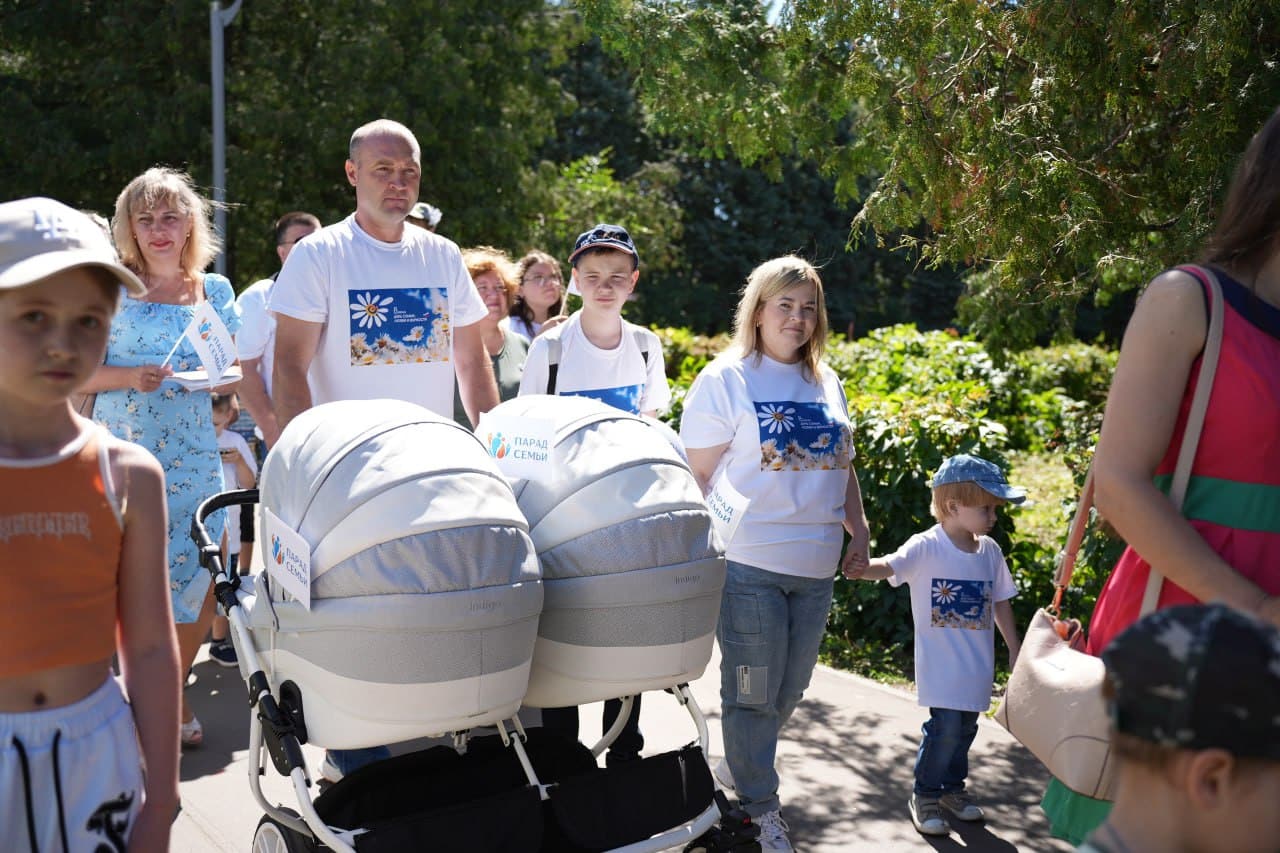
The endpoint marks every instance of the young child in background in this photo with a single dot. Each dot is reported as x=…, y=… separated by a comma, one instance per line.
x=82, y=560
x=239, y=471
x=959, y=584
x=1193, y=692
x=597, y=354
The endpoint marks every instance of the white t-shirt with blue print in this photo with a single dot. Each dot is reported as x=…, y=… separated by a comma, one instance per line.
x=621, y=377
x=789, y=454
x=953, y=594
x=388, y=309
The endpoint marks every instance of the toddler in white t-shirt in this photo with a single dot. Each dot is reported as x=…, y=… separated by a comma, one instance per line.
x=239, y=471
x=960, y=584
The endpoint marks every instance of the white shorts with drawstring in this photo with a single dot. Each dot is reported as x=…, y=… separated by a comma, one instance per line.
x=70, y=777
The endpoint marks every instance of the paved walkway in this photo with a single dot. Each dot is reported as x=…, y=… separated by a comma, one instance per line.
x=845, y=762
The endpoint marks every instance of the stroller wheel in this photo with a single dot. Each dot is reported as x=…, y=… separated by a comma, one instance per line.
x=274, y=837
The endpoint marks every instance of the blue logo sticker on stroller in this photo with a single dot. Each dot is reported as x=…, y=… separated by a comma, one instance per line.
x=801, y=437
x=399, y=326
x=961, y=604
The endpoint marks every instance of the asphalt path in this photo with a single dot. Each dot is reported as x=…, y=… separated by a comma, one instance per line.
x=845, y=760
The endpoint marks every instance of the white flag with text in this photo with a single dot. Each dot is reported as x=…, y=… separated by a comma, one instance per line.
x=212, y=342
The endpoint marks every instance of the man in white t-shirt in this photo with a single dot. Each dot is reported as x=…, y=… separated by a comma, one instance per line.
x=255, y=342
x=960, y=586
x=369, y=308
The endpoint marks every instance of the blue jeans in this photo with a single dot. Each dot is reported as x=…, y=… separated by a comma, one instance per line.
x=942, y=764
x=349, y=760
x=770, y=630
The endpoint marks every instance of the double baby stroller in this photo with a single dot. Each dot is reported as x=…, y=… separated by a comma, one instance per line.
x=442, y=600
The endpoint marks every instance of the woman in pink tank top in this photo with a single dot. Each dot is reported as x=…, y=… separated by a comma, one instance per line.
x=1222, y=545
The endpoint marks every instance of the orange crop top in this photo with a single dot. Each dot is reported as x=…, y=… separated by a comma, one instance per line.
x=60, y=538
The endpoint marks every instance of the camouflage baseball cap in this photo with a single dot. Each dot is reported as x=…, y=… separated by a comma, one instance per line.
x=1198, y=677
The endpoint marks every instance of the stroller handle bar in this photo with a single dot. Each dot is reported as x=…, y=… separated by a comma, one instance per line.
x=209, y=550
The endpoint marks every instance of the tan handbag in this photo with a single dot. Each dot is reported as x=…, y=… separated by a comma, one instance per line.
x=1053, y=703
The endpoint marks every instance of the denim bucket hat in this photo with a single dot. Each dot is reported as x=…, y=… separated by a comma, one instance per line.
x=963, y=468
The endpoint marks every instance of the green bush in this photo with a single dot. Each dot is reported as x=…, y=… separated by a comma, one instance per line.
x=1040, y=391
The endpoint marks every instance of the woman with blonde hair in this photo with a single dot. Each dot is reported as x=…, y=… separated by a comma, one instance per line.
x=495, y=278
x=163, y=234
x=767, y=420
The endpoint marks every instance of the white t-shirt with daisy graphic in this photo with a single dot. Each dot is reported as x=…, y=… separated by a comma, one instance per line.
x=388, y=311
x=790, y=451
x=953, y=594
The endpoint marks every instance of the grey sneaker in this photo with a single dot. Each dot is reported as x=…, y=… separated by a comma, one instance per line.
x=926, y=814
x=962, y=806
x=773, y=832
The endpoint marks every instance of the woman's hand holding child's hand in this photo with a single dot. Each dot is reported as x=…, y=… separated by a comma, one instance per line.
x=855, y=563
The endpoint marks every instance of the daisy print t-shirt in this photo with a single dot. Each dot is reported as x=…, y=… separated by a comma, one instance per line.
x=953, y=594
x=789, y=454
x=389, y=310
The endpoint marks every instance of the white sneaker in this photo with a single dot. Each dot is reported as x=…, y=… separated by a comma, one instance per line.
x=926, y=815
x=329, y=771
x=773, y=832
x=723, y=775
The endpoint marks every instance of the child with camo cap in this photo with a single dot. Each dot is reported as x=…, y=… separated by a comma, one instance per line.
x=1194, y=693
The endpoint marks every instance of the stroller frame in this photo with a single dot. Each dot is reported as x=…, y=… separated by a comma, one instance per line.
x=276, y=726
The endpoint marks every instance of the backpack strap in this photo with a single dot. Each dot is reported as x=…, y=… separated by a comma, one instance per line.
x=553, y=356
x=553, y=363
x=643, y=343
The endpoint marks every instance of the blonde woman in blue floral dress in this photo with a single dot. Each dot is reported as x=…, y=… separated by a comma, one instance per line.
x=162, y=231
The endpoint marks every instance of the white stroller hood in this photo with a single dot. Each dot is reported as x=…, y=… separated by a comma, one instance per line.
x=425, y=588
x=632, y=571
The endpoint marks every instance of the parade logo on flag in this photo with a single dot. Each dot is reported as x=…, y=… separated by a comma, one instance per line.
x=727, y=506
x=212, y=342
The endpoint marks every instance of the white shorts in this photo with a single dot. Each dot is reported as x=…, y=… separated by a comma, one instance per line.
x=70, y=777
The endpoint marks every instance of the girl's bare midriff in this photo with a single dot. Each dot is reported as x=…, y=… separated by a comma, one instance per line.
x=53, y=688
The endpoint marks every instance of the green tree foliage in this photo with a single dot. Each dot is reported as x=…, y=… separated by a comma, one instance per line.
x=94, y=93
x=732, y=217
x=1069, y=148
x=470, y=80
x=571, y=198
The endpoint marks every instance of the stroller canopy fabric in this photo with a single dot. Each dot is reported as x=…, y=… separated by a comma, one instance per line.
x=632, y=570
x=425, y=588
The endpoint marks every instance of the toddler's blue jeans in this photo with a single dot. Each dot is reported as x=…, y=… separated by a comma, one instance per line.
x=942, y=764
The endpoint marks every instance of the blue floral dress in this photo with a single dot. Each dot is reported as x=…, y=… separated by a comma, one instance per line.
x=174, y=424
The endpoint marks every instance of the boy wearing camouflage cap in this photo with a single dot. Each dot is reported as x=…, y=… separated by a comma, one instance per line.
x=1194, y=694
